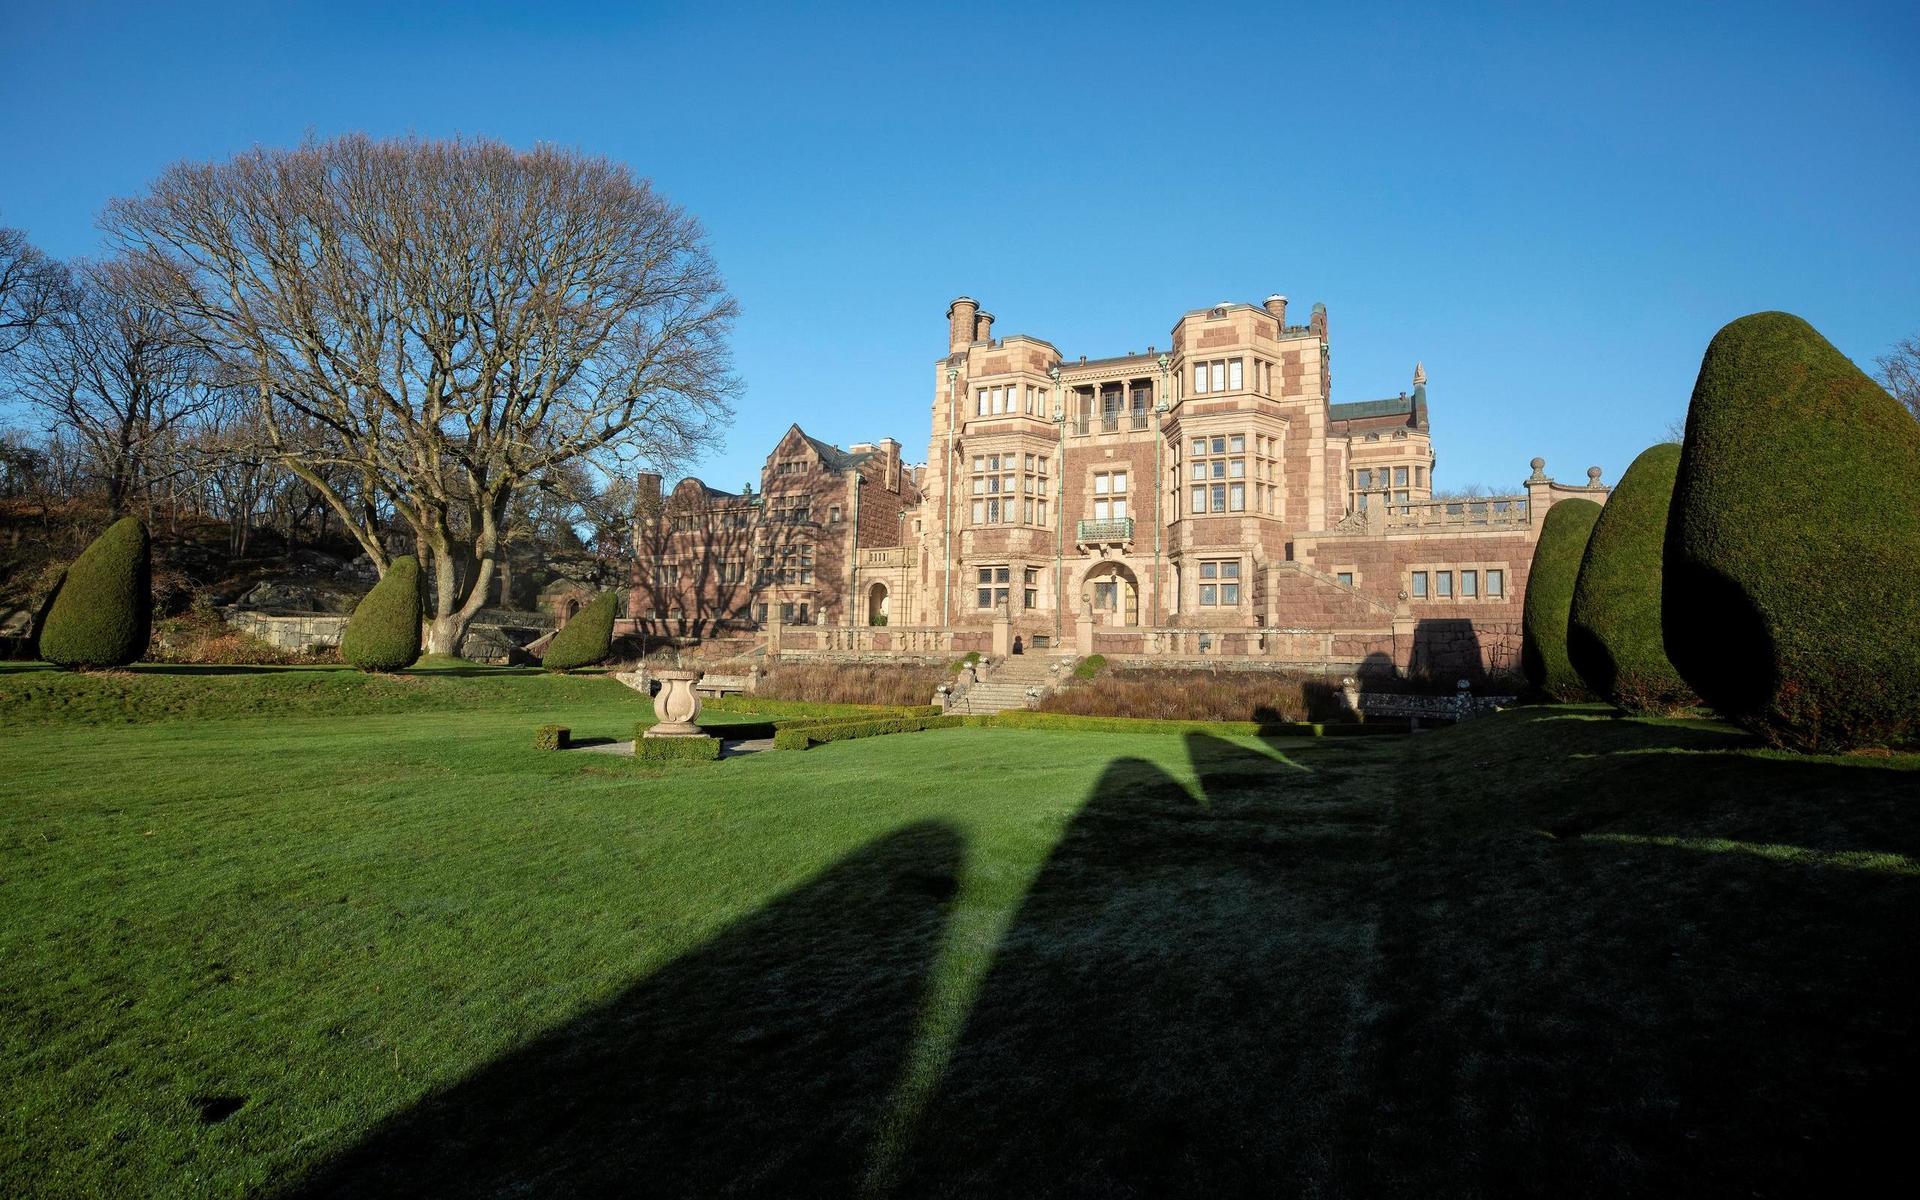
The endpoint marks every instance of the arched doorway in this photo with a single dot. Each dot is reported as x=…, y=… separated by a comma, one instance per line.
x=569, y=610
x=1113, y=592
x=877, y=604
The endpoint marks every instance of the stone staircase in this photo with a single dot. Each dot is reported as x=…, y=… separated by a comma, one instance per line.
x=1008, y=682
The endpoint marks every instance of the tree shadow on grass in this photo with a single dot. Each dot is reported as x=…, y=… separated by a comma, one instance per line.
x=758, y=1064
x=1627, y=957
x=1168, y=1014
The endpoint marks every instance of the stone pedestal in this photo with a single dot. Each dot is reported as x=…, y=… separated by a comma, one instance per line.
x=676, y=706
x=1002, y=636
x=1083, y=634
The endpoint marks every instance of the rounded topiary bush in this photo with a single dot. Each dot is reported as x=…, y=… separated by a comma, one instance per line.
x=1793, y=542
x=1613, y=630
x=1550, y=580
x=585, y=640
x=102, y=612
x=384, y=632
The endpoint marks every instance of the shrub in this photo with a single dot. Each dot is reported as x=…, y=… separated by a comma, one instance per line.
x=1070, y=722
x=552, y=737
x=1198, y=695
x=585, y=640
x=970, y=659
x=1613, y=629
x=383, y=634
x=802, y=738
x=761, y=706
x=676, y=749
x=102, y=614
x=1550, y=580
x=1090, y=666
x=1794, y=542
x=853, y=683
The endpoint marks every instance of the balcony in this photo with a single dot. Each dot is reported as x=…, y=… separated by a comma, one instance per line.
x=884, y=556
x=1112, y=530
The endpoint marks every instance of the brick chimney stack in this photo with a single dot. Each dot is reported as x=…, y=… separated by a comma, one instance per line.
x=983, y=327
x=960, y=323
x=890, y=450
x=648, y=497
x=1277, y=305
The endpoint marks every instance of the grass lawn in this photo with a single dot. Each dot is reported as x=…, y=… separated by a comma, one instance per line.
x=301, y=932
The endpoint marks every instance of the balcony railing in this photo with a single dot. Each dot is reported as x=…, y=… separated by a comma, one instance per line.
x=1112, y=529
x=1110, y=422
x=883, y=556
x=1494, y=510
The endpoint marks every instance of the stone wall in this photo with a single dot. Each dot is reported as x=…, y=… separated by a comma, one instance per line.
x=297, y=632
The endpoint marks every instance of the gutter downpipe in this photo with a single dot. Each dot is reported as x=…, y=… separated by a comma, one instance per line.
x=1059, y=510
x=1159, y=484
x=946, y=473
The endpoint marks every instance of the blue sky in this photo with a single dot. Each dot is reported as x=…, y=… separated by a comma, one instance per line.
x=1553, y=206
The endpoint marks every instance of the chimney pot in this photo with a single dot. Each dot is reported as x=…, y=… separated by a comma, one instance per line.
x=1277, y=305
x=960, y=316
x=983, y=327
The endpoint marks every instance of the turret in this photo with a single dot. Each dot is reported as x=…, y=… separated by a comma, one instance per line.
x=960, y=323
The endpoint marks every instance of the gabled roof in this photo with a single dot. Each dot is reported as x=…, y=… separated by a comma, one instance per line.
x=833, y=456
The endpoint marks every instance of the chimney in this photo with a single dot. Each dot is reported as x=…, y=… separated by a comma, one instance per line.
x=960, y=323
x=647, y=496
x=1277, y=305
x=890, y=450
x=983, y=327
x=1318, y=322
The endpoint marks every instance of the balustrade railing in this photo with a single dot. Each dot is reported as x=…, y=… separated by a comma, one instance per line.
x=884, y=556
x=1111, y=529
x=1491, y=510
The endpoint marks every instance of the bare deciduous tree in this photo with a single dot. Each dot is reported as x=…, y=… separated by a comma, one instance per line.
x=33, y=288
x=1900, y=373
x=117, y=371
x=454, y=318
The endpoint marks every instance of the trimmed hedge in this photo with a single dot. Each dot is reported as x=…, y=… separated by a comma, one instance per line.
x=1793, y=543
x=814, y=735
x=1069, y=722
x=383, y=634
x=586, y=640
x=102, y=612
x=676, y=749
x=740, y=731
x=1090, y=666
x=1614, y=639
x=1556, y=566
x=552, y=737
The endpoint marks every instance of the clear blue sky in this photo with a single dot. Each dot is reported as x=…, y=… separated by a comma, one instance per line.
x=1553, y=206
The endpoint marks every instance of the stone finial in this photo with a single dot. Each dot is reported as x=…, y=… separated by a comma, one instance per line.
x=1419, y=374
x=1539, y=466
x=1593, y=477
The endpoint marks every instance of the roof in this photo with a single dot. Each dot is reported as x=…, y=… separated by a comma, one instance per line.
x=835, y=458
x=1360, y=410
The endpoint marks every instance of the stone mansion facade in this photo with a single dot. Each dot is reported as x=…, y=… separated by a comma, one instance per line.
x=1206, y=501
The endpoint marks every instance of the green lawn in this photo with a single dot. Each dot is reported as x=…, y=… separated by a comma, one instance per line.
x=304, y=932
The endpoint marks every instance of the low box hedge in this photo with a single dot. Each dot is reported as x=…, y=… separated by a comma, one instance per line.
x=676, y=749
x=1069, y=722
x=552, y=737
x=815, y=735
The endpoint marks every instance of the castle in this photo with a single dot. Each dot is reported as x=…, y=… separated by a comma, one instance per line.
x=1207, y=501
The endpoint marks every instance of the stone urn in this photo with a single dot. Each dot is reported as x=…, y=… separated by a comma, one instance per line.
x=676, y=706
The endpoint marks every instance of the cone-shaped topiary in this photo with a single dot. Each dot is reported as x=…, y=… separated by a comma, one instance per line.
x=383, y=634
x=585, y=640
x=1793, y=543
x=1556, y=564
x=1613, y=630
x=102, y=612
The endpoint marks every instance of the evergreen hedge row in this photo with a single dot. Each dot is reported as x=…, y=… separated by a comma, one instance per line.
x=814, y=735
x=1793, y=542
x=1614, y=638
x=383, y=634
x=676, y=749
x=1550, y=580
x=586, y=640
x=101, y=614
x=762, y=707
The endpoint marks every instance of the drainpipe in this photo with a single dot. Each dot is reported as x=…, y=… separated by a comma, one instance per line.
x=946, y=471
x=1059, y=508
x=1159, y=484
x=853, y=563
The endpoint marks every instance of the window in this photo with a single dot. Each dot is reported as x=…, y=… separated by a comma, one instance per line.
x=1221, y=461
x=992, y=590
x=1031, y=582
x=1008, y=489
x=1496, y=583
x=1109, y=495
x=833, y=515
x=1443, y=584
x=1399, y=477
x=1469, y=584
x=1345, y=578
x=1218, y=376
x=1220, y=581
x=1419, y=588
